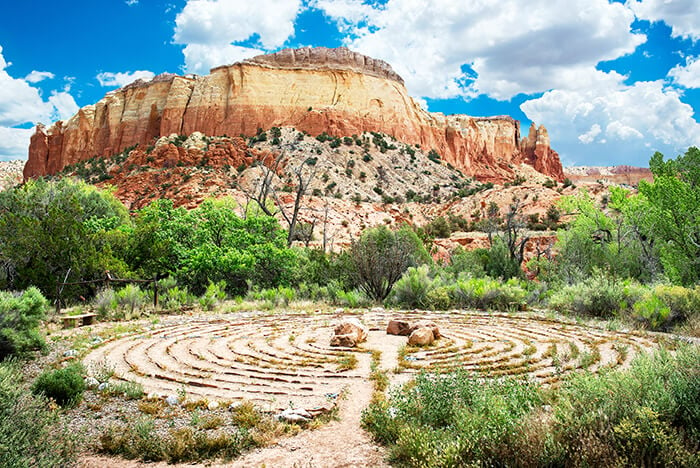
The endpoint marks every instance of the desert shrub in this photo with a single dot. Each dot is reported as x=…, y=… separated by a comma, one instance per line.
x=652, y=312
x=487, y=293
x=30, y=433
x=470, y=262
x=381, y=256
x=128, y=390
x=683, y=302
x=352, y=298
x=130, y=299
x=451, y=419
x=412, y=289
x=177, y=297
x=597, y=296
x=64, y=386
x=499, y=263
x=213, y=295
x=20, y=317
x=647, y=415
x=105, y=303
x=275, y=297
x=439, y=298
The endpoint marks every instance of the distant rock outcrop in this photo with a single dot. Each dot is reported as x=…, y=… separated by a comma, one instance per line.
x=312, y=89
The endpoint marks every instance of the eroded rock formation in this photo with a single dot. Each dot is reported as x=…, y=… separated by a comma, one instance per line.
x=314, y=90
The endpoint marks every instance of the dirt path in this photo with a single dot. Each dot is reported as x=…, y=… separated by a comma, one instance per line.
x=341, y=443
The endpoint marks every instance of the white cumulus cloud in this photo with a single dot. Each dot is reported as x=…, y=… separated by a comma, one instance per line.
x=37, y=76
x=449, y=49
x=22, y=105
x=631, y=121
x=213, y=30
x=683, y=16
x=119, y=79
x=687, y=75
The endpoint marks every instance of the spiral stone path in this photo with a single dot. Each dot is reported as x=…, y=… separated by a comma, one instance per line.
x=285, y=359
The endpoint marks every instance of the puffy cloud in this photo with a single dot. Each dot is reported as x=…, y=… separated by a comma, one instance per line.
x=37, y=76
x=683, y=16
x=14, y=143
x=631, y=120
x=64, y=105
x=448, y=49
x=214, y=29
x=589, y=136
x=22, y=104
x=131, y=2
x=200, y=58
x=110, y=79
x=687, y=75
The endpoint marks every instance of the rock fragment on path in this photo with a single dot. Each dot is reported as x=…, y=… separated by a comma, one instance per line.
x=398, y=327
x=349, y=333
x=421, y=337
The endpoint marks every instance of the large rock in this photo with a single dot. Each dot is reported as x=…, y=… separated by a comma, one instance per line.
x=314, y=90
x=398, y=327
x=421, y=337
x=349, y=333
x=432, y=326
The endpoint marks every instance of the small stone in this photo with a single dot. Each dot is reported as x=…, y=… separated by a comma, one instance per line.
x=103, y=386
x=377, y=310
x=91, y=382
x=172, y=400
x=213, y=405
x=70, y=353
x=97, y=340
x=294, y=416
x=233, y=406
x=153, y=396
x=421, y=337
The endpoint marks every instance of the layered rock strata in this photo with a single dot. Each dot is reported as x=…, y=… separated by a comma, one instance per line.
x=314, y=90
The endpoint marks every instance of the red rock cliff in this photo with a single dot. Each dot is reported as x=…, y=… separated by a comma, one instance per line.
x=312, y=89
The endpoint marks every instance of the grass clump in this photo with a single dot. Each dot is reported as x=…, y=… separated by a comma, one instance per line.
x=647, y=415
x=20, y=317
x=30, y=433
x=64, y=386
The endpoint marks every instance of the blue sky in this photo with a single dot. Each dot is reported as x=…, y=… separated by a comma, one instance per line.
x=613, y=81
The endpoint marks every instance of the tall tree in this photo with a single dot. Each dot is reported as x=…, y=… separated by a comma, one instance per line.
x=673, y=214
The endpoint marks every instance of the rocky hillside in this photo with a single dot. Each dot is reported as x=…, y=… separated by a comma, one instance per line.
x=620, y=175
x=319, y=90
x=10, y=173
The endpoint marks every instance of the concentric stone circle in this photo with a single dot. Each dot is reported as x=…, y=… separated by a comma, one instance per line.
x=285, y=358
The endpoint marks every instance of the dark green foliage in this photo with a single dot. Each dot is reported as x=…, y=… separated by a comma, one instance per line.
x=210, y=243
x=30, y=434
x=381, y=256
x=20, y=318
x=648, y=415
x=48, y=228
x=434, y=156
x=64, y=386
x=672, y=213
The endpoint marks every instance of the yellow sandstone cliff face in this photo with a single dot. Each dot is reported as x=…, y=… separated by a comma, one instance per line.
x=314, y=90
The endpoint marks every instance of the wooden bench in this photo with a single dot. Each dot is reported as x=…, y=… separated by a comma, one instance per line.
x=72, y=321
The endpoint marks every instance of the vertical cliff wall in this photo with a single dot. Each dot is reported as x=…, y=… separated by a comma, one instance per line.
x=312, y=89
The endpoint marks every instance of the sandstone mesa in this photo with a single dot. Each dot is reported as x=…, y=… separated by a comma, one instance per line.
x=315, y=90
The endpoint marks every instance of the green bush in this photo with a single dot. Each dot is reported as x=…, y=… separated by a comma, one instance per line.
x=130, y=299
x=106, y=303
x=597, y=296
x=214, y=294
x=487, y=293
x=20, y=317
x=64, y=386
x=647, y=415
x=683, y=302
x=30, y=433
x=652, y=312
x=411, y=291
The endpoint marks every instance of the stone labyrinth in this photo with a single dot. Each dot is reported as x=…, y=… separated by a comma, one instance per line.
x=283, y=359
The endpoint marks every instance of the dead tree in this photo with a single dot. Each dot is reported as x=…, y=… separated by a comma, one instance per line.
x=264, y=189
